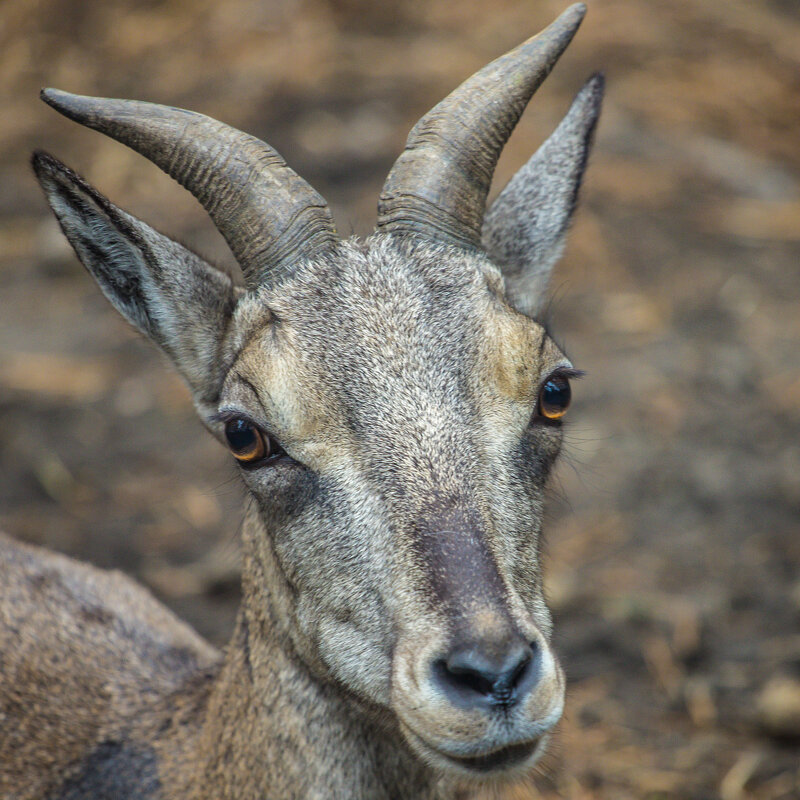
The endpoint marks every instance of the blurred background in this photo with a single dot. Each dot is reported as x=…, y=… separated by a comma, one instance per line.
x=673, y=540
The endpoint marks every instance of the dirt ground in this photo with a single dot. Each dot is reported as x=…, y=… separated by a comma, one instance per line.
x=674, y=525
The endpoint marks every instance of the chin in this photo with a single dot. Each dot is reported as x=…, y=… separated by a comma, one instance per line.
x=479, y=765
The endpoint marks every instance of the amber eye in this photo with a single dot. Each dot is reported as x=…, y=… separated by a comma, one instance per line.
x=554, y=397
x=247, y=443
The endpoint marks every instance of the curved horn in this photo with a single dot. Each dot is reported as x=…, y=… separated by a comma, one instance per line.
x=438, y=185
x=267, y=213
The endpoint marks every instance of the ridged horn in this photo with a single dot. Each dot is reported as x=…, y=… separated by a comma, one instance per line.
x=438, y=186
x=268, y=214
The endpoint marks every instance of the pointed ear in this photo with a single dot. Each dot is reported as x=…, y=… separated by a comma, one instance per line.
x=170, y=294
x=525, y=229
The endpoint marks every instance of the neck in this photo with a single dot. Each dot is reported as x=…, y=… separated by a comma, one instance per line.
x=274, y=729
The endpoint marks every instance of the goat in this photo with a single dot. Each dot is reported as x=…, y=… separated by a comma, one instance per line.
x=395, y=411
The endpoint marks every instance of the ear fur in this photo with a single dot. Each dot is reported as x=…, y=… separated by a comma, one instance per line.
x=170, y=294
x=525, y=228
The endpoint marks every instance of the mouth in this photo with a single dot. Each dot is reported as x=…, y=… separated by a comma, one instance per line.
x=503, y=759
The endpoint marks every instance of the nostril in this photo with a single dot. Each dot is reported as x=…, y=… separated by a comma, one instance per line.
x=513, y=676
x=481, y=674
x=468, y=677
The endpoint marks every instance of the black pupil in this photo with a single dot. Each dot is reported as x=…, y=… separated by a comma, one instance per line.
x=556, y=395
x=241, y=436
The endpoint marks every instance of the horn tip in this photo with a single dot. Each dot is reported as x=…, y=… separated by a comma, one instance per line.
x=561, y=30
x=576, y=10
x=53, y=96
x=63, y=102
x=79, y=108
x=573, y=16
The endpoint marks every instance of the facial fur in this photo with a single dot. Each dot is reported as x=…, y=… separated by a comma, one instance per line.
x=403, y=389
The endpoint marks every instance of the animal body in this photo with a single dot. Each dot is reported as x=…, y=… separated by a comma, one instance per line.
x=395, y=410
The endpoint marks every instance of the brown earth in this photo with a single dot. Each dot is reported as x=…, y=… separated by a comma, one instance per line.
x=674, y=541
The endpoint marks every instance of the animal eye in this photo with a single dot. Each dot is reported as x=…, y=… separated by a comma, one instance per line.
x=554, y=397
x=247, y=443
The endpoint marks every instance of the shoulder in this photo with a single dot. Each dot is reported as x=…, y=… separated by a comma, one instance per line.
x=50, y=600
x=81, y=649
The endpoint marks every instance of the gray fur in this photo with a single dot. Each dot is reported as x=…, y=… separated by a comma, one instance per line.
x=114, y=771
x=525, y=228
x=404, y=519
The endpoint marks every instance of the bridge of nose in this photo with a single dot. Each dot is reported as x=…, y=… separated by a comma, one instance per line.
x=464, y=578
